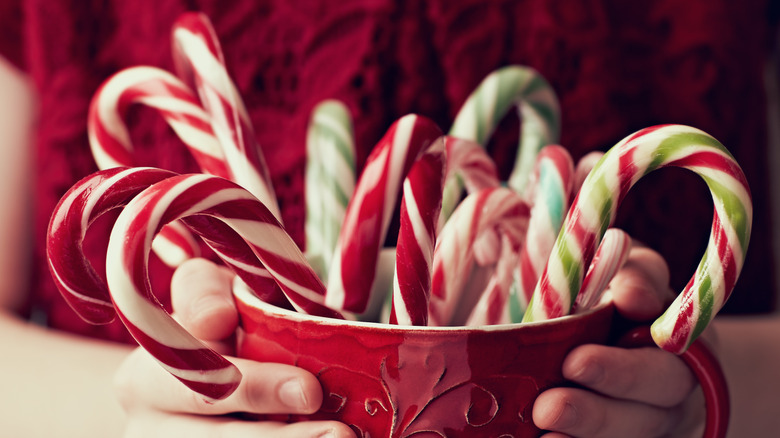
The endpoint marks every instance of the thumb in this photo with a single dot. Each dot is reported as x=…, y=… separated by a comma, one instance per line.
x=202, y=300
x=640, y=290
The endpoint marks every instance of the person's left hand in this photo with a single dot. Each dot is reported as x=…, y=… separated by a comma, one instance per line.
x=644, y=392
x=156, y=404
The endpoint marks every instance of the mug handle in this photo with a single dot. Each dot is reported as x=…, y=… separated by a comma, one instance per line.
x=706, y=368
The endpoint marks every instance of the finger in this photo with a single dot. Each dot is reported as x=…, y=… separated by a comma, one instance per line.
x=201, y=298
x=647, y=375
x=173, y=426
x=266, y=388
x=640, y=290
x=582, y=413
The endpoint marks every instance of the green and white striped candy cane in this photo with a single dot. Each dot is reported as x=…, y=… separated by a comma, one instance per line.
x=594, y=211
x=330, y=180
x=539, y=113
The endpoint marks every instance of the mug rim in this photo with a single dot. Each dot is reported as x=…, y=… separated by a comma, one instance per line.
x=242, y=293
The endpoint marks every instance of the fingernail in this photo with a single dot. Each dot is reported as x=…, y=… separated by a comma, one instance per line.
x=327, y=434
x=291, y=394
x=589, y=373
x=567, y=418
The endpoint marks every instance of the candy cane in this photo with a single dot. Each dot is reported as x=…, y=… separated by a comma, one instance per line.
x=583, y=168
x=492, y=307
x=595, y=207
x=90, y=198
x=353, y=271
x=330, y=180
x=111, y=146
x=495, y=210
x=550, y=188
x=197, y=54
x=488, y=104
x=468, y=166
x=109, y=138
x=204, y=199
x=420, y=207
x=610, y=257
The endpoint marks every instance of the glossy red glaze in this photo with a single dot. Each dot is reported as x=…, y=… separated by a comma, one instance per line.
x=390, y=381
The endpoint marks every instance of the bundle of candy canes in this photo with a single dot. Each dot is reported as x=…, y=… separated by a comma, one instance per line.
x=539, y=246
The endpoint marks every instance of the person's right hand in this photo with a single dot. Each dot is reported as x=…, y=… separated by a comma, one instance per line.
x=158, y=405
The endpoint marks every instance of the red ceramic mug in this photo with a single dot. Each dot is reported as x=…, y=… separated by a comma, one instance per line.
x=392, y=381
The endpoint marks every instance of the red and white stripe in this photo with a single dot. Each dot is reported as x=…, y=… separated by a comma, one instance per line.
x=492, y=307
x=610, y=257
x=198, y=56
x=111, y=146
x=204, y=198
x=353, y=271
x=83, y=289
x=420, y=208
x=470, y=165
x=109, y=138
x=501, y=211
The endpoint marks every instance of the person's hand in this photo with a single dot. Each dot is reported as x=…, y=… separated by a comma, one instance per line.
x=158, y=405
x=644, y=392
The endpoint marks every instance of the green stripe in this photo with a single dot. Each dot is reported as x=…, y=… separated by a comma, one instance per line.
x=550, y=116
x=675, y=142
x=515, y=311
x=572, y=268
x=343, y=148
x=706, y=300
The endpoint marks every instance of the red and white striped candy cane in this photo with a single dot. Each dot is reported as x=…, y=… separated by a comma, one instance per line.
x=496, y=210
x=109, y=138
x=83, y=289
x=197, y=197
x=420, y=208
x=470, y=165
x=610, y=257
x=111, y=146
x=493, y=305
x=368, y=215
x=198, y=55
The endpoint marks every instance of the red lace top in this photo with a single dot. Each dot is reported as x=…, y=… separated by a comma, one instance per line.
x=617, y=67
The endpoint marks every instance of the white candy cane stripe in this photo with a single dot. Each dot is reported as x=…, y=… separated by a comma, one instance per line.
x=218, y=199
x=330, y=180
x=420, y=207
x=468, y=166
x=595, y=207
x=550, y=192
x=83, y=289
x=609, y=258
x=197, y=54
x=538, y=109
x=353, y=271
x=499, y=210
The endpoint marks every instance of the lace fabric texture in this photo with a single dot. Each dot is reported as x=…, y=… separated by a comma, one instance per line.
x=616, y=66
